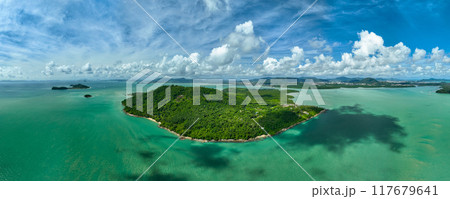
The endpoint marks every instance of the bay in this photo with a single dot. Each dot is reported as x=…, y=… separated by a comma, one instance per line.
x=367, y=134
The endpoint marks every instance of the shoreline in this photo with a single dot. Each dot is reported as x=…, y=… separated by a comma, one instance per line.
x=257, y=138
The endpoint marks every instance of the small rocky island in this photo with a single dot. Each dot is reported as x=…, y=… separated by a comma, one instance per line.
x=218, y=120
x=72, y=86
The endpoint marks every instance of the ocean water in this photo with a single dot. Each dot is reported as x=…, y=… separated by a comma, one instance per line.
x=367, y=134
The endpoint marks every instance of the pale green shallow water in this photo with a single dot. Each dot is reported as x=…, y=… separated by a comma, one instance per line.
x=382, y=134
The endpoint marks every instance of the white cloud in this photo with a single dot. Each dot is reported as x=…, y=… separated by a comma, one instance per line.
x=419, y=54
x=215, y=5
x=369, y=57
x=243, y=38
x=52, y=68
x=368, y=44
x=436, y=64
x=221, y=55
x=10, y=72
x=49, y=68
x=437, y=54
x=237, y=43
x=320, y=45
x=87, y=69
x=180, y=65
x=328, y=48
x=317, y=43
x=446, y=59
x=393, y=54
x=64, y=69
x=285, y=64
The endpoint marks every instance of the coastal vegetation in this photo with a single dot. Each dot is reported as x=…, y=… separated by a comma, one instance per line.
x=218, y=120
x=445, y=88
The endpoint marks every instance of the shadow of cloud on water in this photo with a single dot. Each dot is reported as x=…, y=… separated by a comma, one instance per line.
x=147, y=155
x=209, y=156
x=155, y=175
x=339, y=128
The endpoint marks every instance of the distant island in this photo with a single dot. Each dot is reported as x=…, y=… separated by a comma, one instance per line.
x=343, y=82
x=72, y=86
x=219, y=121
x=445, y=88
x=368, y=82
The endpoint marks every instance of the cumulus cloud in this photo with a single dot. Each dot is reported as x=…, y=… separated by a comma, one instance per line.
x=219, y=61
x=102, y=32
x=243, y=38
x=369, y=57
x=446, y=59
x=221, y=55
x=368, y=44
x=86, y=69
x=10, y=72
x=64, y=69
x=438, y=55
x=71, y=32
x=237, y=43
x=285, y=64
x=419, y=54
x=51, y=68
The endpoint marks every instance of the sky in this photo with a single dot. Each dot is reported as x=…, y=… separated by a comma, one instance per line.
x=104, y=39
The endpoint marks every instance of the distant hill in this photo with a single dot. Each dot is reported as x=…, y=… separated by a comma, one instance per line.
x=344, y=79
x=367, y=80
x=433, y=80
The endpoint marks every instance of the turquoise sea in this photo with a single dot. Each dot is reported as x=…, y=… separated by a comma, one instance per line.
x=367, y=134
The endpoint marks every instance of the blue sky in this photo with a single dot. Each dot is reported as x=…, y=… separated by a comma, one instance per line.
x=116, y=39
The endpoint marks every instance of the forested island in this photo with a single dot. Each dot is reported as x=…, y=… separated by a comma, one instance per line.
x=72, y=86
x=445, y=88
x=219, y=121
